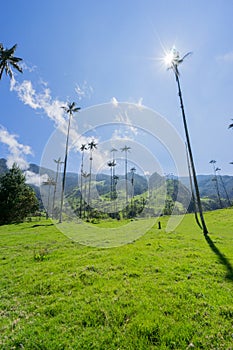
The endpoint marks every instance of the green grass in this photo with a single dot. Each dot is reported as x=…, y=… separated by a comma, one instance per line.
x=163, y=291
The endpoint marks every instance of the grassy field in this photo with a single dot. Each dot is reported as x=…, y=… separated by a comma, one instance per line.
x=163, y=291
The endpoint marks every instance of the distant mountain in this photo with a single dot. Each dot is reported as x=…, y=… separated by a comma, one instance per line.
x=154, y=188
x=207, y=185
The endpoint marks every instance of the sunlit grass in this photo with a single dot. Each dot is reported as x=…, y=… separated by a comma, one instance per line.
x=163, y=291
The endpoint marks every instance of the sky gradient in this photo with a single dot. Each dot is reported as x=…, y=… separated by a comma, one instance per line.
x=98, y=52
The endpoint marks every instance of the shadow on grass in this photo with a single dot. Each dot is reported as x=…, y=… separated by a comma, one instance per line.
x=222, y=258
x=38, y=225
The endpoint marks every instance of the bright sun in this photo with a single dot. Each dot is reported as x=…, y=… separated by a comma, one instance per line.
x=168, y=58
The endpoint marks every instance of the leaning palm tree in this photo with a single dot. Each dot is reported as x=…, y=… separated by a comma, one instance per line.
x=8, y=61
x=70, y=109
x=215, y=179
x=83, y=148
x=173, y=60
x=126, y=150
x=91, y=146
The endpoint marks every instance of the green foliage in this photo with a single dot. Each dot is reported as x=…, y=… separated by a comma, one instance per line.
x=164, y=291
x=17, y=199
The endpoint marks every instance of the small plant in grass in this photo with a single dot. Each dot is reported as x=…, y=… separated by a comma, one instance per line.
x=41, y=255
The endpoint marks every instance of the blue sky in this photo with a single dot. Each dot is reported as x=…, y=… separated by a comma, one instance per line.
x=98, y=52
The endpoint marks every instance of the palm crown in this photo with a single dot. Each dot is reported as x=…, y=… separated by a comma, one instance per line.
x=8, y=60
x=70, y=108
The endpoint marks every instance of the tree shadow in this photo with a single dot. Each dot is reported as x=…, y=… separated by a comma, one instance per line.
x=38, y=225
x=222, y=258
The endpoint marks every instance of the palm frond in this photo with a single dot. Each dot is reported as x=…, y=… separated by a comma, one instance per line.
x=186, y=55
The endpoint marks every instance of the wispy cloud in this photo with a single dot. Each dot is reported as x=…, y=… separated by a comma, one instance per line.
x=43, y=101
x=17, y=151
x=127, y=130
x=84, y=90
x=39, y=100
x=227, y=57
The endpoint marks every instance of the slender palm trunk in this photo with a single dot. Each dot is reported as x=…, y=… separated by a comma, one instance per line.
x=81, y=187
x=126, y=179
x=204, y=228
x=192, y=191
x=89, y=188
x=217, y=190
x=132, y=196
x=111, y=182
x=84, y=199
x=225, y=190
x=55, y=185
x=64, y=170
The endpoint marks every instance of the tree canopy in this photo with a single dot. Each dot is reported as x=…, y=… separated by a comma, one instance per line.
x=17, y=199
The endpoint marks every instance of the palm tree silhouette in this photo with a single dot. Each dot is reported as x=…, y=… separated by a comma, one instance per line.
x=83, y=148
x=126, y=150
x=173, y=60
x=8, y=61
x=91, y=146
x=215, y=179
x=70, y=109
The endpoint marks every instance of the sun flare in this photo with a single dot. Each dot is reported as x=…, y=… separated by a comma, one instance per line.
x=170, y=57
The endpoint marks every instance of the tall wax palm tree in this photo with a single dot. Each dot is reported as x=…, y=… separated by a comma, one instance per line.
x=70, y=109
x=83, y=148
x=173, y=60
x=113, y=151
x=126, y=150
x=223, y=186
x=9, y=61
x=58, y=162
x=215, y=179
x=111, y=164
x=91, y=146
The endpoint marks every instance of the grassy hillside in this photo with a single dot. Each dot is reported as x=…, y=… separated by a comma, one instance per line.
x=164, y=291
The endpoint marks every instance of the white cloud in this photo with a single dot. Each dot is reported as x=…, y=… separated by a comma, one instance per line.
x=17, y=151
x=114, y=101
x=44, y=102
x=139, y=103
x=227, y=57
x=35, y=179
